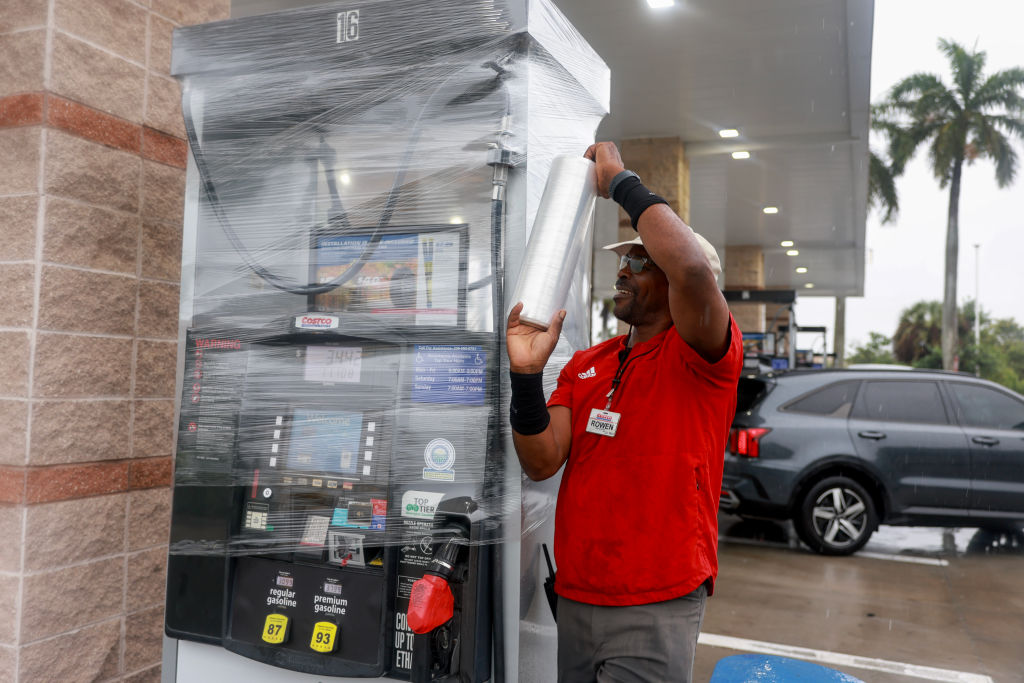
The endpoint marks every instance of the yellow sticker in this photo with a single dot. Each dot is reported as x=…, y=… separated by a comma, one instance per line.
x=275, y=629
x=325, y=637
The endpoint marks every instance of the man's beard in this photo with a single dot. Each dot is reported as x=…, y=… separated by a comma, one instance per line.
x=626, y=312
x=626, y=309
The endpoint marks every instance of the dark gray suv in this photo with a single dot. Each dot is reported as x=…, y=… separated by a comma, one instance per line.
x=841, y=451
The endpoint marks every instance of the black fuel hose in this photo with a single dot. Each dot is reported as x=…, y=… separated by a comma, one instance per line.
x=277, y=281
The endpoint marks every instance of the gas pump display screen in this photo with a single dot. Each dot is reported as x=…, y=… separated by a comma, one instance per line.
x=332, y=364
x=417, y=273
x=325, y=441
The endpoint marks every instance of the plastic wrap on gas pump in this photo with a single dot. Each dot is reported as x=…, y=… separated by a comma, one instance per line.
x=362, y=186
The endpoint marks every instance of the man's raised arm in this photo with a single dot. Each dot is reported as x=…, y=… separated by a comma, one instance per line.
x=699, y=311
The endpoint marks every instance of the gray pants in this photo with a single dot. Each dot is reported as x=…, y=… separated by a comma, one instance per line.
x=652, y=643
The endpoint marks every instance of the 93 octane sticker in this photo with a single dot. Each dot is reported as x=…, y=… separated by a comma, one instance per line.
x=325, y=637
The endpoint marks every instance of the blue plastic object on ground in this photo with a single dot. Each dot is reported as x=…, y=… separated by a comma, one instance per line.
x=773, y=669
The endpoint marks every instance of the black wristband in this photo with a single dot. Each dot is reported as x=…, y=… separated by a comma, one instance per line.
x=528, y=412
x=613, y=186
x=635, y=198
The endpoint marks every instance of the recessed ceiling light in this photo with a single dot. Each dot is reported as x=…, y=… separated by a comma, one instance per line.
x=786, y=243
x=741, y=155
x=792, y=252
x=801, y=269
x=808, y=285
x=728, y=133
x=456, y=220
x=658, y=4
x=770, y=210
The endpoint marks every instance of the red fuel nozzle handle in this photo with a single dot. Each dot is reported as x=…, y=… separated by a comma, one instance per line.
x=430, y=604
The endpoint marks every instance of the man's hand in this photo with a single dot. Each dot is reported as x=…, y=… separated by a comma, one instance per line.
x=609, y=164
x=528, y=347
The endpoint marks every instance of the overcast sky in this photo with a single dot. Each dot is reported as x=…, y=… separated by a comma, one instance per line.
x=904, y=260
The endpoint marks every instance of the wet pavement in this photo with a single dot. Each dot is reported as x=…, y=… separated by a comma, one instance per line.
x=915, y=604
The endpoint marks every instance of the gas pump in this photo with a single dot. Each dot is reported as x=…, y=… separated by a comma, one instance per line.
x=360, y=185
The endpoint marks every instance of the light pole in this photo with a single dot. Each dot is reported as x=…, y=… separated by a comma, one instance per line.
x=977, y=312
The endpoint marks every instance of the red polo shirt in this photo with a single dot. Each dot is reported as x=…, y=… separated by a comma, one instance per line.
x=637, y=514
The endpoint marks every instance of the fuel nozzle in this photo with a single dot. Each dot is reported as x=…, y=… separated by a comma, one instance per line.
x=432, y=602
x=443, y=563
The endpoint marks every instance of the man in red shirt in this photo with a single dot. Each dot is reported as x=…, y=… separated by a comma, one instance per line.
x=640, y=423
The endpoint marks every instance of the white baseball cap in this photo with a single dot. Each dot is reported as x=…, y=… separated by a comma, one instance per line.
x=621, y=248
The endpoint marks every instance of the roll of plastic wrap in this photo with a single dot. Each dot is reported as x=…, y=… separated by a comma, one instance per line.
x=559, y=235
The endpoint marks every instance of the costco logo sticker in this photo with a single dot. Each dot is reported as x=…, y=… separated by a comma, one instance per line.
x=316, y=322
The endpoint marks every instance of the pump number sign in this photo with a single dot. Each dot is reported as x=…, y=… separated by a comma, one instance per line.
x=348, y=26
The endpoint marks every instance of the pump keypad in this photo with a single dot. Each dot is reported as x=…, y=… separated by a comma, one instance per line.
x=325, y=637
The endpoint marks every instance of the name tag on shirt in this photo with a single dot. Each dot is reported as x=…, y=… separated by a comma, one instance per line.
x=603, y=422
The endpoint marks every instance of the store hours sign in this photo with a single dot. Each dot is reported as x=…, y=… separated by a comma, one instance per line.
x=449, y=374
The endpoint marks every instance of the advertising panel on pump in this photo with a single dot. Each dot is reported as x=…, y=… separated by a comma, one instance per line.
x=418, y=274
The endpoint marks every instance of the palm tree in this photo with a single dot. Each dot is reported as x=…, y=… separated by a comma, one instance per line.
x=973, y=119
x=881, y=173
x=918, y=333
x=882, y=187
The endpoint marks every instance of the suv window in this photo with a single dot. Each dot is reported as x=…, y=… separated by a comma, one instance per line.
x=985, y=407
x=899, y=401
x=748, y=392
x=835, y=400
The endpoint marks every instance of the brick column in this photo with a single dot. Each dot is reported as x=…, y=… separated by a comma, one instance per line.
x=92, y=161
x=744, y=269
x=662, y=164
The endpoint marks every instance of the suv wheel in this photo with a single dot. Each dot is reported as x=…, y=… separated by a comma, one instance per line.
x=836, y=516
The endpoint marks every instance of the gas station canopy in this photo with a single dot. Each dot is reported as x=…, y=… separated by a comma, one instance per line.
x=792, y=78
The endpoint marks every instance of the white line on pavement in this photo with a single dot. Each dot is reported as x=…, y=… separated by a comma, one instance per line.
x=934, y=561
x=837, y=658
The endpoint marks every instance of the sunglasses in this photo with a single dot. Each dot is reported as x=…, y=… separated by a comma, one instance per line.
x=636, y=263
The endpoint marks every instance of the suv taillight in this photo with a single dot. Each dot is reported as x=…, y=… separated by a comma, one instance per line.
x=746, y=440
